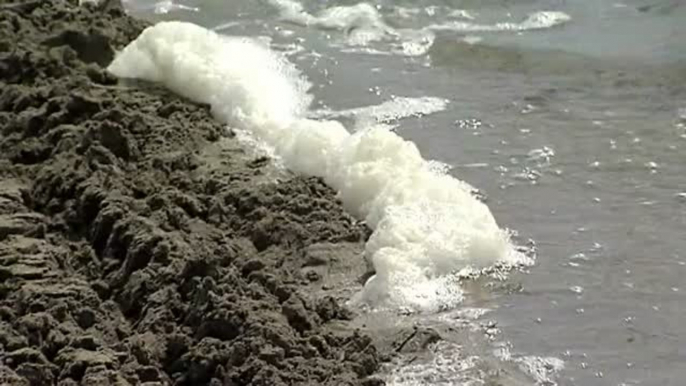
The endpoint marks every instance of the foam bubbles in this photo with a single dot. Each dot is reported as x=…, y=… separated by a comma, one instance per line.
x=544, y=370
x=448, y=365
x=427, y=225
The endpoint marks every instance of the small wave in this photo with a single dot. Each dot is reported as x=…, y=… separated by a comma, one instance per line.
x=389, y=111
x=426, y=225
x=537, y=20
x=226, y=26
x=160, y=7
x=410, y=13
x=362, y=22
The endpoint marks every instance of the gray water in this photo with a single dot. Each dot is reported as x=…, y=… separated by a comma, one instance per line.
x=576, y=134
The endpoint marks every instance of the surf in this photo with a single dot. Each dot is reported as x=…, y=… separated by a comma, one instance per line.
x=427, y=225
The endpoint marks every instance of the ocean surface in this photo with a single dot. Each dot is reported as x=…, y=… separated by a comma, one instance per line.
x=569, y=117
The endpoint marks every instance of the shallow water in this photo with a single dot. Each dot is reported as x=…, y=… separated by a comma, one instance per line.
x=576, y=133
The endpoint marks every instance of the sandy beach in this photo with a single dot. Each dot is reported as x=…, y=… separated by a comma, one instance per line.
x=140, y=243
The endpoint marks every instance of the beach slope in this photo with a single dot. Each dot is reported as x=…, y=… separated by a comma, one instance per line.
x=139, y=243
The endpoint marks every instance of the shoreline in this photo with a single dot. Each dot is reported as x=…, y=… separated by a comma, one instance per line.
x=140, y=243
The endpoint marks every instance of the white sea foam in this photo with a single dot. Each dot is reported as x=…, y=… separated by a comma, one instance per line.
x=413, y=42
x=544, y=370
x=447, y=366
x=426, y=225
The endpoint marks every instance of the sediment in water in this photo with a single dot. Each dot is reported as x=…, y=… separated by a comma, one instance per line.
x=138, y=242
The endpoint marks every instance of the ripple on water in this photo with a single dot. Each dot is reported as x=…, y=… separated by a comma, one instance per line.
x=577, y=289
x=681, y=113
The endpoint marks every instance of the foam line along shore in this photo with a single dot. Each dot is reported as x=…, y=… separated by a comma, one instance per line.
x=426, y=224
